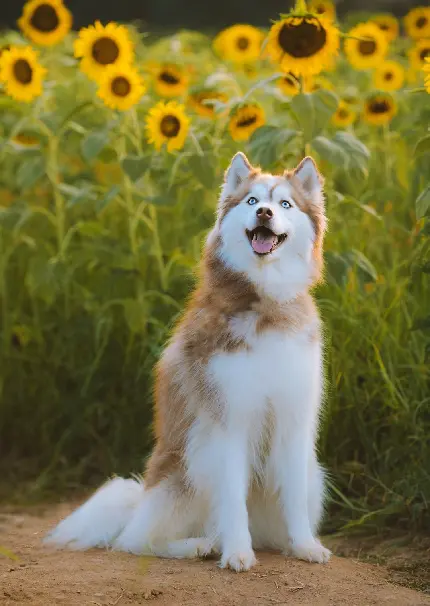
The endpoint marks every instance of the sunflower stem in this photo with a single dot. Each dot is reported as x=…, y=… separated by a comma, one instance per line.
x=54, y=178
x=385, y=138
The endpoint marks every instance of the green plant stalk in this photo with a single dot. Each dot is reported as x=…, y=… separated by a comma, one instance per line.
x=306, y=144
x=4, y=296
x=54, y=177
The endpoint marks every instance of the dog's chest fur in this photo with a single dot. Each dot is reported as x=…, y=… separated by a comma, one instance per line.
x=268, y=374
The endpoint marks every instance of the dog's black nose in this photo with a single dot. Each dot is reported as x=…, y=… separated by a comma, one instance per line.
x=264, y=214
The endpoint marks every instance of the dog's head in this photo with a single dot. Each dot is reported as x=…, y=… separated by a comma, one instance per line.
x=271, y=227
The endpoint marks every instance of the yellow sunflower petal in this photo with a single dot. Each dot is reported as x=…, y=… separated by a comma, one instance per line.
x=245, y=120
x=167, y=123
x=239, y=44
x=388, y=24
x=170, y=80
x=379, y=109
x=418, y=53
x=389, y=76
x=303, y=45
x=100, y=46
x=417, y=22
x=202, y=102
x=21, y=73
x=365, y=46
x=121, y=87
x=323, y=7
x=426, y=70
x=45, y=22
x=344, y=115
x=289, y=85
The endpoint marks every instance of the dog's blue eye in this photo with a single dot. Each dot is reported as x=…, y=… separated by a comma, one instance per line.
x=252, y=201
x=286, y=204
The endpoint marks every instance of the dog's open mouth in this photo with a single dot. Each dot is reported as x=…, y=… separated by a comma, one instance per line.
x=263, y=240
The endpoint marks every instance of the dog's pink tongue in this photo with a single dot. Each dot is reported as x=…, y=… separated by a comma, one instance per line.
x=263, y=243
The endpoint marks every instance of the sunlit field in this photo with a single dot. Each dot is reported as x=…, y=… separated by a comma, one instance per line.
x=113, y=145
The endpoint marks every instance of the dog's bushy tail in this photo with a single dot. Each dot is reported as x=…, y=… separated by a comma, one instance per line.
x=100, y=519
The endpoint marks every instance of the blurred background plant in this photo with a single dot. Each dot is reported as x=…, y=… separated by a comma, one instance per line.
x=113, y=146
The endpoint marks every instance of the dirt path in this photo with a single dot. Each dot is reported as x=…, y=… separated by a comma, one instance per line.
x=45, y=577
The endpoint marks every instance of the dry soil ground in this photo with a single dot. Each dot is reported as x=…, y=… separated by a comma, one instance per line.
x=40, y=576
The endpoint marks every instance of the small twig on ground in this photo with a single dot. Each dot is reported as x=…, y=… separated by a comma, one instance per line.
x=118, y=598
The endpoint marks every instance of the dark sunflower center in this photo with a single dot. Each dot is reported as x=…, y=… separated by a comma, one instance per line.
x=120, y=86
x=421, y=22
x=379, y=107
x=170, y=126
x=367, y=47
x=247, y=121
x=384, y=26
x=242, y=43
x=342, y=113
x=424, y=53
x=22, y=71
x=388, y=76
x=105, y=51
x=302, y=40
x=321, y=9
x=169, y=78
x=45, y=18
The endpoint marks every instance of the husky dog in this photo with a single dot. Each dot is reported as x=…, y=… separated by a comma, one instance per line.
x=238, y=393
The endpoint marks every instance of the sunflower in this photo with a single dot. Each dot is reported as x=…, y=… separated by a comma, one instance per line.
x=245, y=120
x=170, y=80
x=289, y=85
x=418, y=53
x=167, y=123
x=323, y=7
x=202, y=101
x=24, y=141
x=120, y=87
x=239, y=43
x=426, y=70
x=45, y=22
x=389, y=76
x=310, y=85
x=366, y=45
x=99, y=46
x=21, y=73
x=388, y=24
x=4, y=48
x=379, y=109
x=344, y=115
x=417, y=23
x=303, y=45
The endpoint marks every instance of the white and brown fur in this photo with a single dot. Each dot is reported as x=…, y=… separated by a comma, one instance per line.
x=237, y=396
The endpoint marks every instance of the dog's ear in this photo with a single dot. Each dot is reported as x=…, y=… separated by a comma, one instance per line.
x=237, y=172
x=310, y=178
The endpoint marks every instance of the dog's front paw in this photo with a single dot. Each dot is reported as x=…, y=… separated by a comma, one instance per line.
x=239, y=560
x=311, y=551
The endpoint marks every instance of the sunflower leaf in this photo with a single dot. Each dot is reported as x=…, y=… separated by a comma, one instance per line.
x=93, y=144
x=422, y=204
x=203, y=169
x=325, y=104
x=304, y=112
x=268, y=143
x=423, y=146
x=329, y=150
x=30, y=172
x=135, y=166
